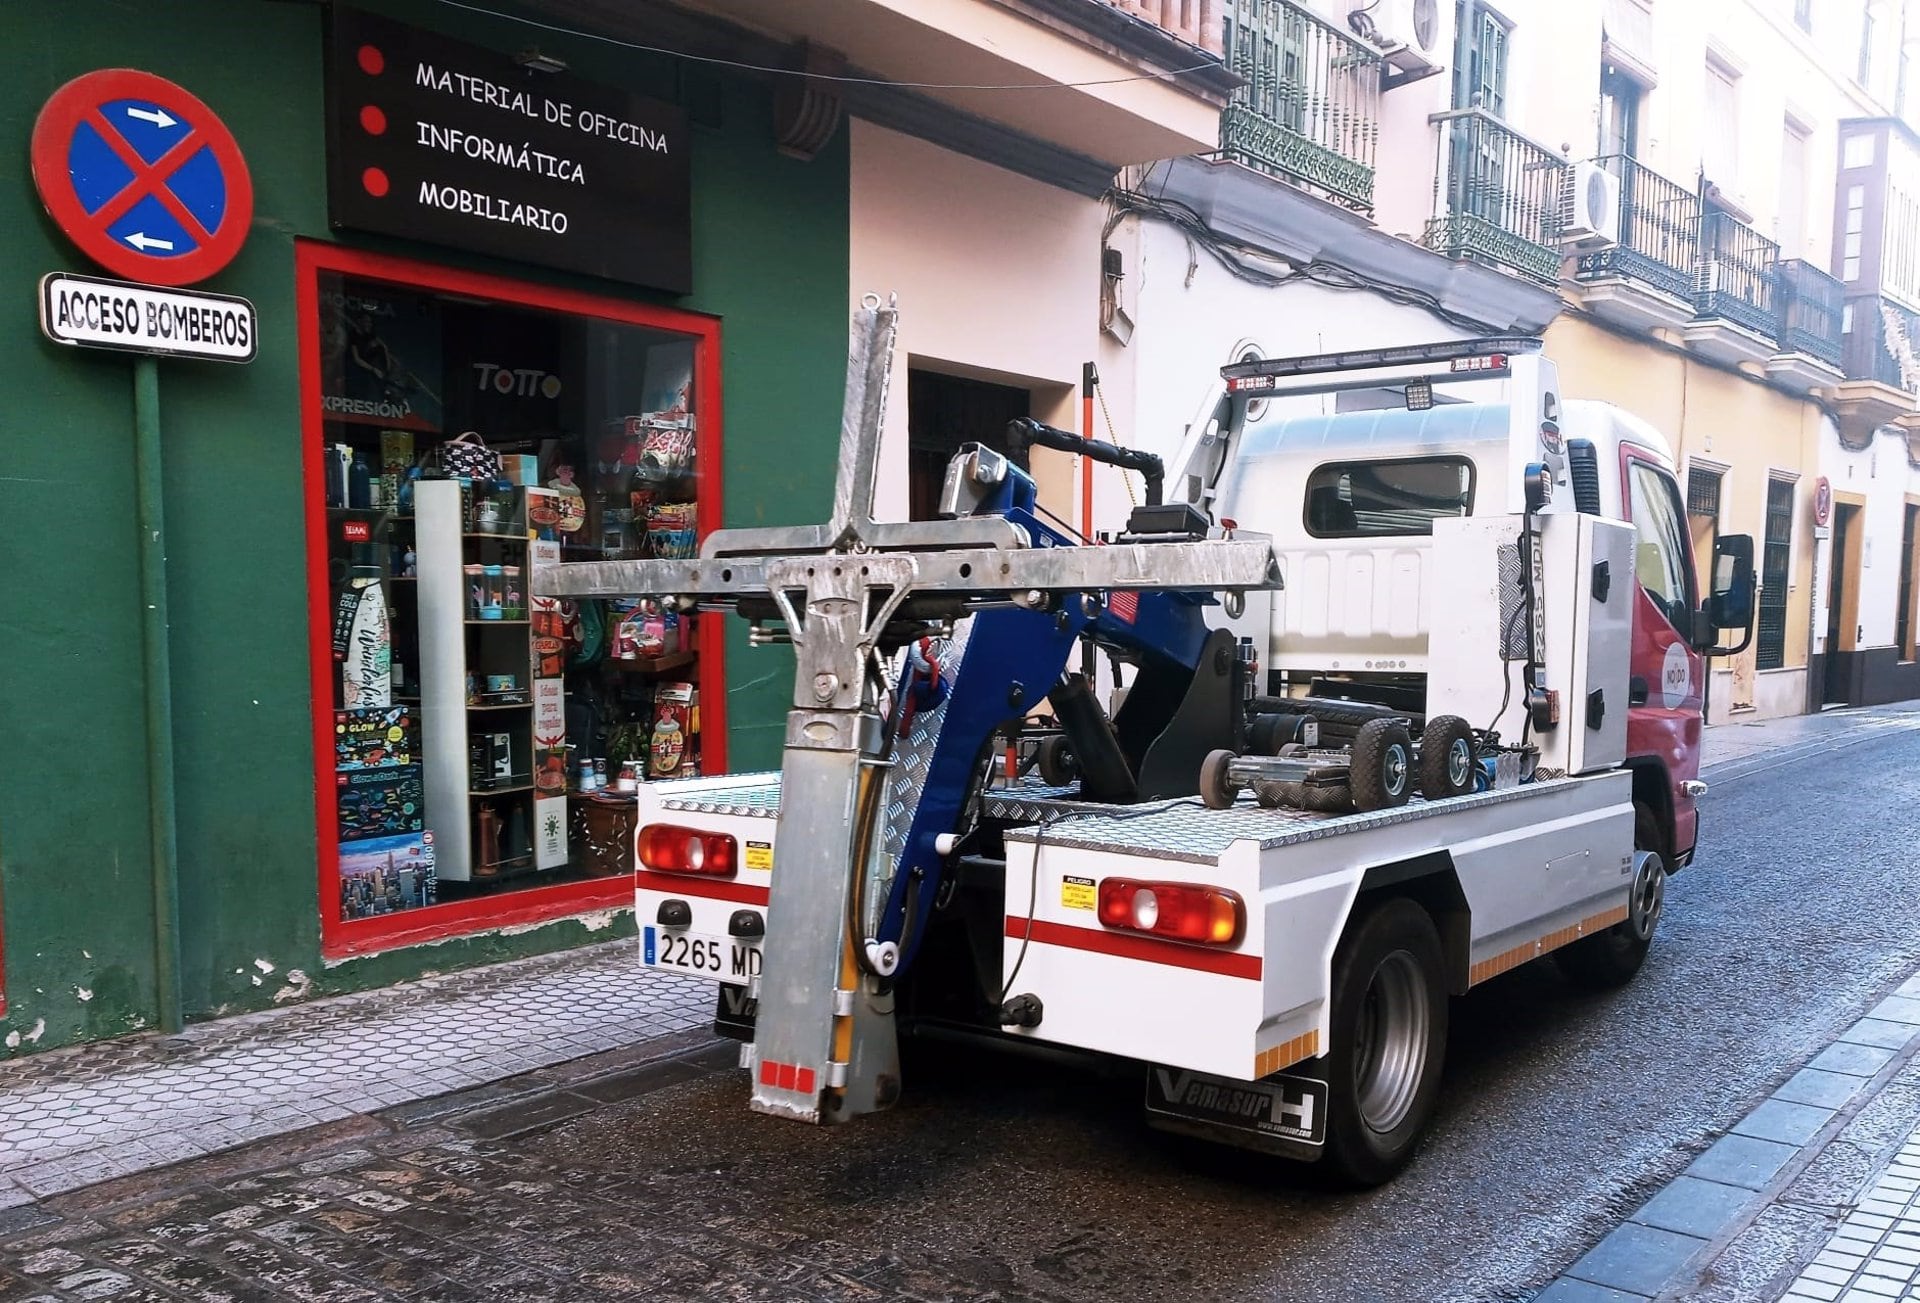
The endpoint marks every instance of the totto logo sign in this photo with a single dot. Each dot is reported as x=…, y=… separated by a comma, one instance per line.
x=515, y=382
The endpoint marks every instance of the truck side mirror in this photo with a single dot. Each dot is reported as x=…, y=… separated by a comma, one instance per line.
x=1730, y=606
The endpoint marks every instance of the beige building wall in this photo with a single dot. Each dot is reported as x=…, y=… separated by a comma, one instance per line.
x=1727, y=421
x=998, y=279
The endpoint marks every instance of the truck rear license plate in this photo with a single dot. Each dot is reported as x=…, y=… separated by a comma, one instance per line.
x=724, y=959
x=1289, y=1108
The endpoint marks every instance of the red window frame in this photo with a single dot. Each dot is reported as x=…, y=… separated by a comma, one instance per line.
x=341, y=938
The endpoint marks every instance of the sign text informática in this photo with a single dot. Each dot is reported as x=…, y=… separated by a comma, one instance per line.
x=434, y=139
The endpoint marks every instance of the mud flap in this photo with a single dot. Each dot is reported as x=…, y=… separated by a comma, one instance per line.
x=1282, y=1114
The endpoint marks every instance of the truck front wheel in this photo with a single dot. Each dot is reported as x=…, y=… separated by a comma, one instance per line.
x=1611, y=958
x=1388, y=1041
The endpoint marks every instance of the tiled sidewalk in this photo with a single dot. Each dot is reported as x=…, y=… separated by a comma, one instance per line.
x=1874, y=1254
x=69, y=1118
x=1668, y=1245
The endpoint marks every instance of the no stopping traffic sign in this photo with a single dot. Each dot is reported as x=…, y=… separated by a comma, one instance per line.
x=142, y=177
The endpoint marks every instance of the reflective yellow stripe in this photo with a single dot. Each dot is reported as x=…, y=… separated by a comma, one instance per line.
x=1520, y=954
x=1300, y=1048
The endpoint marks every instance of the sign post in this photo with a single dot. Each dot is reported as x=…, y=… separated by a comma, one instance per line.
x=150, y=184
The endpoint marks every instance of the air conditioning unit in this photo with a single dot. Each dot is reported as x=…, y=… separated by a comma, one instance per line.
x=1412, y=25
x=1589, y=207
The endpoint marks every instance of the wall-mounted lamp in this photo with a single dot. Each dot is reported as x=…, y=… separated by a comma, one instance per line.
x=533, y=61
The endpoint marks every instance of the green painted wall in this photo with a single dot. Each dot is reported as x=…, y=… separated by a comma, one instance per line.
x=770, y=256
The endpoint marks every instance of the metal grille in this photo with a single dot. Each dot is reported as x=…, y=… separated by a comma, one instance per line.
x=1703, y=492
x=1497, y=196
x=1583, y=467
x=1809, y=311
x=1659, y=231
x=1310, y=107
x=1771, y=641
x=1738, y=277
x=754, y=795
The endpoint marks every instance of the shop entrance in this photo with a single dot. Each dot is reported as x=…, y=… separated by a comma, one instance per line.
x=1842, y=606
x=944, y=412
x=477, y=746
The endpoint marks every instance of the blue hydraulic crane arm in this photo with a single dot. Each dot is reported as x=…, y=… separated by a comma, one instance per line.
x=1011, y=658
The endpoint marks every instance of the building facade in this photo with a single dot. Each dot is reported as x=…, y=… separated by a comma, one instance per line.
x=348, y=749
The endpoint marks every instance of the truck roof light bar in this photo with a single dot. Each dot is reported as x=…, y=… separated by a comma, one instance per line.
x=1368, y=358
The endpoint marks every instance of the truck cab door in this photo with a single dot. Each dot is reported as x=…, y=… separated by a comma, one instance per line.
x=1667, y=687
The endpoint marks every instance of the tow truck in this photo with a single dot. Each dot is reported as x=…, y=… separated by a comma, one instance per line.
x=1257, y=895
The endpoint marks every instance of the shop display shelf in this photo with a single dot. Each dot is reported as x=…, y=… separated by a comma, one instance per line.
x=500, y=705
x=656, y=664
x=471, y=620
x=483, y=793
x=497, y=538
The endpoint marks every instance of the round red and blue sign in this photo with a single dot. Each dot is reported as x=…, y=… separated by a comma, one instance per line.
x=142, y=177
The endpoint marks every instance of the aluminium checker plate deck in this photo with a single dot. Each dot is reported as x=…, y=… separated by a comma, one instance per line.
x=1179, y=829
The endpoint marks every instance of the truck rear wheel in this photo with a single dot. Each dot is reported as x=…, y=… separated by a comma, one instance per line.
x=1388, y=1041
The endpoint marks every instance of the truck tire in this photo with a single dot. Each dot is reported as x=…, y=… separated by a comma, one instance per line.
x=1388, y=1040
x=1380, y=766
x=1446, y=758
x=1059, y=767
x=1611, y=958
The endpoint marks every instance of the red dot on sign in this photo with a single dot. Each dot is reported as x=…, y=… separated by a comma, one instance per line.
x=372, y=120
x=372, y=62
x=375, y=181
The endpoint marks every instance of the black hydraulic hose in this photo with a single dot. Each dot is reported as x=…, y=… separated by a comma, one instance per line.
x=1027, y=432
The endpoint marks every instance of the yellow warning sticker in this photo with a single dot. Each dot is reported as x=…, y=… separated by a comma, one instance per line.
x=759, y=855
x=1076, y=893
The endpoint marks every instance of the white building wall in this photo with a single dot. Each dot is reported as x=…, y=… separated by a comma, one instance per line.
x=998, y=278
x=1191, y=317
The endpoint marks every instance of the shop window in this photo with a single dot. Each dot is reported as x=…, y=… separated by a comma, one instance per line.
x=478, y=744
x=1387, y=499
x=1770, y=642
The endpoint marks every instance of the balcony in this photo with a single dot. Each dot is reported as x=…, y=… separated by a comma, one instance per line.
x=1496, y=196
x=1309, y=112
x=1646, y=281
x=1735, y=304
x=1197, y=22
x=1128, y=81
x=1806, y=326
x=1882, y=368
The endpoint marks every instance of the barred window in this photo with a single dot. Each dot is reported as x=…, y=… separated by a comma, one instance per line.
x=1775, y=566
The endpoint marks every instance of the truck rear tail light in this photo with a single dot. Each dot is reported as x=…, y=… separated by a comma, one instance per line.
x=1178, y=911
x=667, y=848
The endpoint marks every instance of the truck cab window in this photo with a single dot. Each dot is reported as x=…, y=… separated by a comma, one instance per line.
x=1369, y=499
x=1660, y=549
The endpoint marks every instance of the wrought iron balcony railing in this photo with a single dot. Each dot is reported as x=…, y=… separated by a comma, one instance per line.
x=1809, y=303
x=1738, y=274
x=1310, y=109
x=1197, y=22
x=1882, y=342
x=1496, y=195
x=1659, y=231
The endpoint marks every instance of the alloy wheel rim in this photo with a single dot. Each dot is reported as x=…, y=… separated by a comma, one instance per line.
x=1390, y=1044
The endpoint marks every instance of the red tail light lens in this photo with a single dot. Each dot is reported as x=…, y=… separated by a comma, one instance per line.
x=1178, y=911
x=666, y=848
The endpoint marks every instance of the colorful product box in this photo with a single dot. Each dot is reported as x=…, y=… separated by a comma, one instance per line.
x=383, y=875
x=675, y=752
x=381, y=802
x=374, y=737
